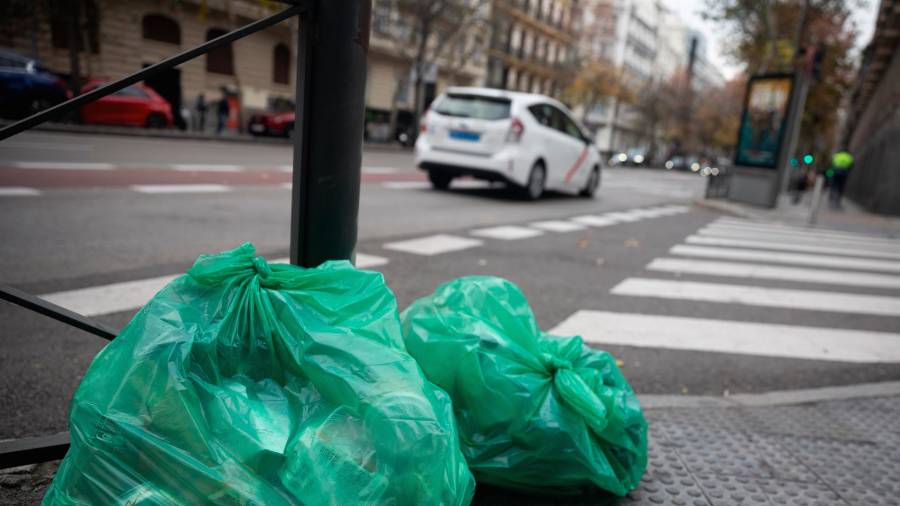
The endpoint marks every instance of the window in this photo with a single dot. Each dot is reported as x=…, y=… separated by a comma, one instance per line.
x=381, y=17
x=160, y=28
x=221, y=59
x=473, y=106
x=132, y=91
x=281, y=64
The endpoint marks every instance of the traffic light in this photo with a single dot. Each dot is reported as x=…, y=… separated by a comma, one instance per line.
x=794, y=162
x=829, y=173
x=808, y=159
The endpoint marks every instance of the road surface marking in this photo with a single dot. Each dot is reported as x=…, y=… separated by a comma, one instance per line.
x=787, y=258
x=592, y=220
x=806, y=234
x=433, y=244
x=507, y=232
x=628, y=216
x=653, y=212
x=206, y=167
x=760, y=271
x=720, y=336
x=797, y=238
x=64, y=165
x=364, y=261
x=557, y=226
x=407, y=185
x=285, y=168
x=759, y=296
x=181, y=188
x=47, y=146
x=378, y=170
x=788, y=246
x=131, y=295
x=18, y=191
x=287, y=186
x=819, y=232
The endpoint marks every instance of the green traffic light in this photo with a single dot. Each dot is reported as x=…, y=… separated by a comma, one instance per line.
x=793, y=162
x=829, y=173
x=808, y=159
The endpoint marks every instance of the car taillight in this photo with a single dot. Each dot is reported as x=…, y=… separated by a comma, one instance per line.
x=516, y=129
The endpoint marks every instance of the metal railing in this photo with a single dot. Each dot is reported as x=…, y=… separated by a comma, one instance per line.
x=330, y=78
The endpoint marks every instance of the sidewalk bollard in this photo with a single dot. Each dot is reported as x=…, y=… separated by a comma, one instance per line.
x=816, y=199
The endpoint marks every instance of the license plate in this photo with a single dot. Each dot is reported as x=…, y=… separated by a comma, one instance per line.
x=463, y=135
x=257, y=128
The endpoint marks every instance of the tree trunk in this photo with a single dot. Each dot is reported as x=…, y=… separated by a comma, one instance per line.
x=424, y=32
x=73, y=13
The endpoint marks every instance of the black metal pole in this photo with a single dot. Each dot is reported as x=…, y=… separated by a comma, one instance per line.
x=333, y=42
x=58, y=313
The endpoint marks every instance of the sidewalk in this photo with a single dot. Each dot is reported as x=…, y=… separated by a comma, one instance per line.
x=829, y=446
x=850, y=217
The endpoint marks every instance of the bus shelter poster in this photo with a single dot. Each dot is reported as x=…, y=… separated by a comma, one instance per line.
x=763, y=121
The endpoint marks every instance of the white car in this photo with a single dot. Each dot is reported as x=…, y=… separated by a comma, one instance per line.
x=530, y=141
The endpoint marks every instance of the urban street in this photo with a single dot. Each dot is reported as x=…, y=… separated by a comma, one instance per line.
x=690, y=300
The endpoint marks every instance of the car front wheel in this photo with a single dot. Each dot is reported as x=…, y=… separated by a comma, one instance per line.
x=593, y=182
x=156, y=121
x=537, y=178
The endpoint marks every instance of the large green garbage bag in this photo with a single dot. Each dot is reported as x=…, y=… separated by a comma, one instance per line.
x=248, y=383
x=535, y=411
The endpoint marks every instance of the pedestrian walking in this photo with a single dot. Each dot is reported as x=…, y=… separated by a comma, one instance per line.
x=200, y=107
x=222, y=115
x=841, y=164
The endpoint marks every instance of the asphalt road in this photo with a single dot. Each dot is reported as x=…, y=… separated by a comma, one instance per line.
x=783, y=327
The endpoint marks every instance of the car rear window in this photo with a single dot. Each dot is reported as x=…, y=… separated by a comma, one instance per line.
x=473, y=106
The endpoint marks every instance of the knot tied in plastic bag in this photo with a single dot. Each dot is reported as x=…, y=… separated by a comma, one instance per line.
x=535, y=411
x=248, y=383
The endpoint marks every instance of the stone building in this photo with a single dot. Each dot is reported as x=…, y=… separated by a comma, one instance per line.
x=533, y=45
x=119, y=37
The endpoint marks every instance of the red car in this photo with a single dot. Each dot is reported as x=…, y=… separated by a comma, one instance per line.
x=136, y=105
x=280, y=124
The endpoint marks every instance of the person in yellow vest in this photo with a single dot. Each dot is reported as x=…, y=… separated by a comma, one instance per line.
x=841, y=163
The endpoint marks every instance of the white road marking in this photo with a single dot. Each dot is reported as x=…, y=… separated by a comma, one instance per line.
x=624, y=216
x=287, y=186
x=506, y=232
x=804, y=234
x=364, y=261
x=407, y=185
x=787, y=258
x=557, y=226
x=759, y=296
x=18, y=191
x=64, y=165
x=285, y=168
x=180, y=188
x=798, y=238
x=111, y=298
x=378, y=170
x=206, y=167
x=760, y=271
x=433, y=244
x=47, y=146
x=592, y=220
x=720, y=336
x=780, y=227
x=789, y=245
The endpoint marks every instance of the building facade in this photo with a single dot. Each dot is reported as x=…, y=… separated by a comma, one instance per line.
x=533, y=45
x=119, y=37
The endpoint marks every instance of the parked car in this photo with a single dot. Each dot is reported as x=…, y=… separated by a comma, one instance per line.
x=276, y=124
x=527, y=140
x=26, y=87
x=136, y=105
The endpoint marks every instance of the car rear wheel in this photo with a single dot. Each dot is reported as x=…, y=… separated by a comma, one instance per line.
x=289, y=131
x=537, y=178
x=439, y=181
x=593, y=182
x=156, y=121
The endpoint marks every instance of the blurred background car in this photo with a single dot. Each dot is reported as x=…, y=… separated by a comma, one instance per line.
x=528, y=140
x=273, y=124
x=136, y=105
x=26, y=87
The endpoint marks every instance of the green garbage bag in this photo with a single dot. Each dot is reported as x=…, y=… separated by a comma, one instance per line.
x=535, y=411
x=247, y=383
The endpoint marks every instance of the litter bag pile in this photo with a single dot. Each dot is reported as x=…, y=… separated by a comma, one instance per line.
x=535, y=411
x=248, y=383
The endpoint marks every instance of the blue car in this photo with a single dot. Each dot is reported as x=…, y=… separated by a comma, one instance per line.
x=26, y=87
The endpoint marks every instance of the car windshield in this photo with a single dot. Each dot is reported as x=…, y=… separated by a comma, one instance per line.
x=474, y=106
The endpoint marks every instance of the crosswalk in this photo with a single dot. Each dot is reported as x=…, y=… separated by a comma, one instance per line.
x=802, y=271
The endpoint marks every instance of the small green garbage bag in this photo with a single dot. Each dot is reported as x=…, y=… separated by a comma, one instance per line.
x=252, y=384
x=535, y=411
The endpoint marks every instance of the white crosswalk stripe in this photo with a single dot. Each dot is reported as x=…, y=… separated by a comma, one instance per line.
x=557, y=226
x=787, y=245
x=433, y=244
x=796, y=238
x=761, y=271
x=594, y=220
x=180, y=188
x=681, y=333
x=787, y=258
x=725, y=229
x=760, y=296
x=818, y=232
x=18, y=191
x=206, y=167
x=507, y=232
